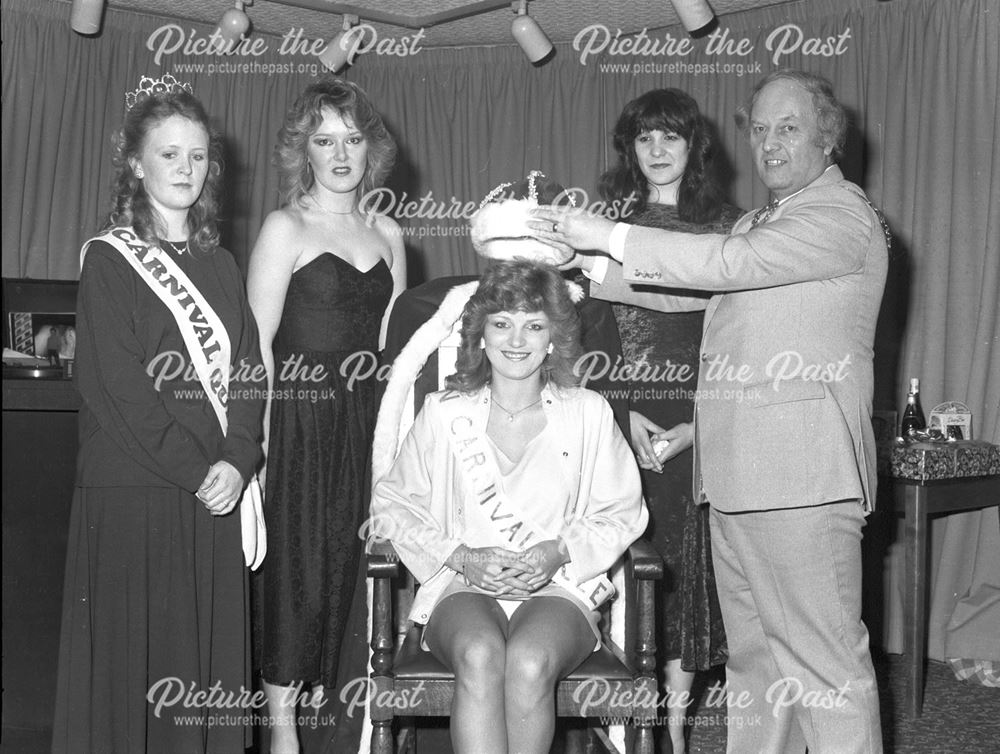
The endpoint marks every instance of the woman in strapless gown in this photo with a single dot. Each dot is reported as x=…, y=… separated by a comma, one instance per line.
x=322, y=278
x=321, y=426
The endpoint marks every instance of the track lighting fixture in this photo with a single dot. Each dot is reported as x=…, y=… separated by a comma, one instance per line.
x=85, y=17
x=529, y=35
x=696, y=16
x=234, y=23
x=337, y=54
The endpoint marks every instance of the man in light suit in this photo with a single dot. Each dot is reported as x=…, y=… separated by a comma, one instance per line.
x=784, y=448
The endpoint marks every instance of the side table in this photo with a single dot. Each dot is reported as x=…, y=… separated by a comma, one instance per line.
x=919, y=492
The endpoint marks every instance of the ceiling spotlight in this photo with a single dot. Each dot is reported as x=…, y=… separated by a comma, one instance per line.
x=530, y=36
x=697, y=17
x=337, y=54
x=234, y=24
x=85, y=17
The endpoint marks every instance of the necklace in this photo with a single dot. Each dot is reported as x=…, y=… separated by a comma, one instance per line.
x=177, y=246
x=326, y=211
x=512, y=414
x=764, y=213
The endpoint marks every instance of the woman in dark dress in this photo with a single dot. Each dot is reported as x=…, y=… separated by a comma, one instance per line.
x=323, y=275
x=156, y=598
x=665, y=172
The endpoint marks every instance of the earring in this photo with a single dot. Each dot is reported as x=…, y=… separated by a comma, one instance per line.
x=139, y=173
x=482, y=344
x=550, y=349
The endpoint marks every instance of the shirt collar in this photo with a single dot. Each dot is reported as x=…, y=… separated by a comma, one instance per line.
x=825, y=171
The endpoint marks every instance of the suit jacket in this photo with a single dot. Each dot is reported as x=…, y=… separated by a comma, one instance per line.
x=783, y=408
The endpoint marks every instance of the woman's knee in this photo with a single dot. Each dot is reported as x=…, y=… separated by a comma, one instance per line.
x=480, y=656
x=530, y=668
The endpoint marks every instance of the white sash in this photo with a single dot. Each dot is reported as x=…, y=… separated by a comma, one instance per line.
x=477, y=464
x=208, y=347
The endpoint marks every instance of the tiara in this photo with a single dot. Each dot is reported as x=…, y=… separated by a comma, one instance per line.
x=148, y=87
x=532, y=190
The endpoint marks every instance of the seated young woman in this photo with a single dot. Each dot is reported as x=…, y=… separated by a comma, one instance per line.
x=511, y=496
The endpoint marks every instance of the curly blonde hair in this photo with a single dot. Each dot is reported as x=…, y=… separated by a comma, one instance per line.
x=519, y=285
x=306, y=115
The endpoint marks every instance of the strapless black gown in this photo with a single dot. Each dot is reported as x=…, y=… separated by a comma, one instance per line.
x=318, y=468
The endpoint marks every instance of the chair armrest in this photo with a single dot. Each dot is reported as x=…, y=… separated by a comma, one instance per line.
x=646, y=561
x=643, y=569
x=383, y=562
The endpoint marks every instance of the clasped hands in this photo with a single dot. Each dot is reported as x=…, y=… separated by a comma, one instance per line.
x=221, y=489
x=505, y=572
x=653, y=445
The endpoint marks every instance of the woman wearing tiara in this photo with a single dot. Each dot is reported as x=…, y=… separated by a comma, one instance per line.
x=156, y=596
x=665, y=166
x=323, y=275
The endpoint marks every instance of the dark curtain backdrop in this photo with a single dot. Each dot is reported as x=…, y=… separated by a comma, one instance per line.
x=920, y=78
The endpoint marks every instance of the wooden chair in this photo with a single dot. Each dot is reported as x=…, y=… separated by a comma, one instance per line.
x=614, y=682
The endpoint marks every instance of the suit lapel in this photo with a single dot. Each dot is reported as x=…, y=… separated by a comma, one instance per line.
x=830, y=175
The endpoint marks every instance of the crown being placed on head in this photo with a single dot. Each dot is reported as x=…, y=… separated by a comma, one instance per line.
x=148, y=87
x=500, y=230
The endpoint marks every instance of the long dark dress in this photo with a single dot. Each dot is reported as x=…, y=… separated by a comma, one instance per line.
x=318, y=474
x=690, y=622
x=156, y=592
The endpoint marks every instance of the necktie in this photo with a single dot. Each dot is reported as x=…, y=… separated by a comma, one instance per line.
x=763, y=213
x=767, y=210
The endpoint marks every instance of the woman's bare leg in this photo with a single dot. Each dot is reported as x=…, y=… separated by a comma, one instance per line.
x=282, y=708
x=547, y=639
x=679, y=684
x=466, y=632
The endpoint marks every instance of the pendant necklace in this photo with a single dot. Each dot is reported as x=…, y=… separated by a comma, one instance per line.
x=512, y=414
x=179, y=247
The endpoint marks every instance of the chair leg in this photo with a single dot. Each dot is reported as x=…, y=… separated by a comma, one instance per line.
x=645, y=682
x=591, y=744
x=381, y=677
x=643, y=740
x=581, y=740
x=409, y=736
x=382, y=737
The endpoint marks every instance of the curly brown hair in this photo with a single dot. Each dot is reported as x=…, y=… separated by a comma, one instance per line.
x=524, y=286
x=305, y=116
x=700, y=196
x=130, y=202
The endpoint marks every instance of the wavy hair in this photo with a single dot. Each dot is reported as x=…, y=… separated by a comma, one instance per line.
x=524, y=286
x=305, y=116
x=700, y=195
x=831, y=117
x=130, y=202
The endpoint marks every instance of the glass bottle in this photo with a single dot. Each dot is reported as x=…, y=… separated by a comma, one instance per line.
x=913, y=414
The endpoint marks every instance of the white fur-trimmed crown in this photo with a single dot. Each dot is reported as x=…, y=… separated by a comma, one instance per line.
x=499, y=228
